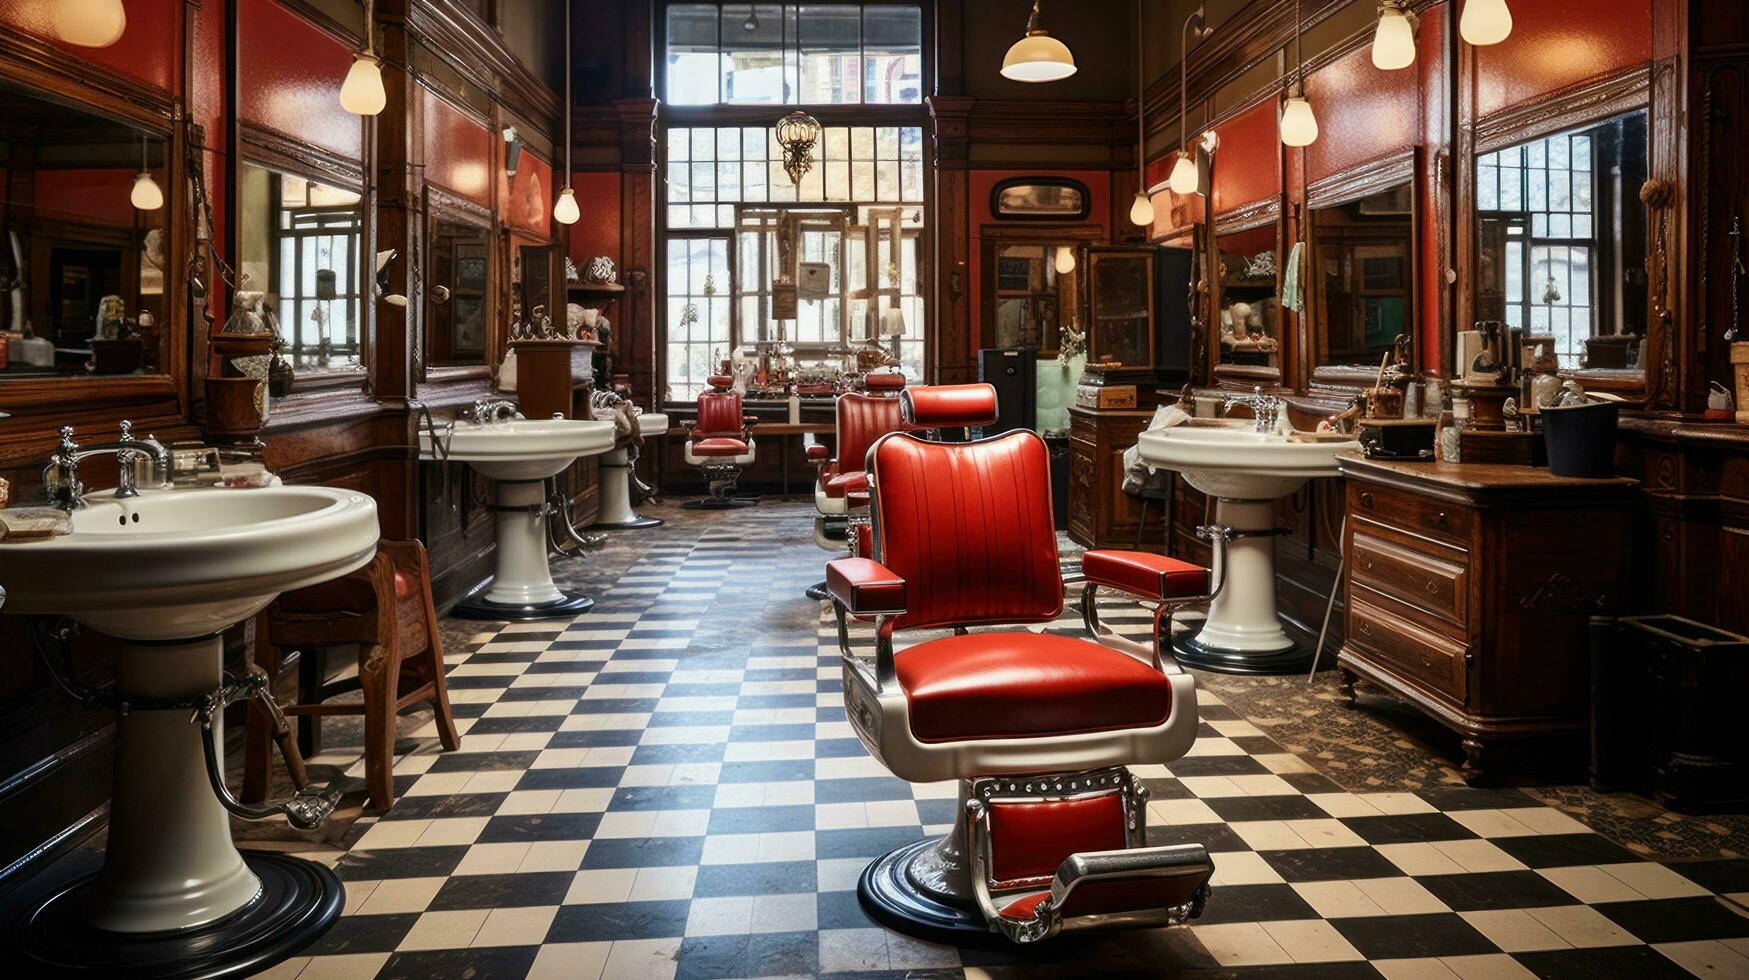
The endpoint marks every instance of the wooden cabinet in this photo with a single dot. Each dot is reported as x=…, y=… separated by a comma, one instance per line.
x=1469, y=587
x=1101, y=515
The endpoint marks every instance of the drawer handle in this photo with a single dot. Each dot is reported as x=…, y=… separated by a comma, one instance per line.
x=1366, y=627
x=1432, y=586
x=1440, y=519
x=1366, y=500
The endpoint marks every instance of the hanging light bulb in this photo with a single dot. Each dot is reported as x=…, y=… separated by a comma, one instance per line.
x=1037, y=57
x=1298, y=126
x=751, y=24
x=1185, y=179
x=1065, y=260
x=565, y=208
x=91, y=23
x=1142, y=210
x=1393, y=41
x=362, y=93
x=1485, y=22
x=146, y=194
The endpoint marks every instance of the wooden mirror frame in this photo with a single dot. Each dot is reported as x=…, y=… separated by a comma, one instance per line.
x=995, y=237
x=1261, y=214
x=271, y=151
x=442, y=205
x=1336, y=190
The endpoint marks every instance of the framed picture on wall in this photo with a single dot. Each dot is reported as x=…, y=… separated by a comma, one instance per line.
x=1040, y=199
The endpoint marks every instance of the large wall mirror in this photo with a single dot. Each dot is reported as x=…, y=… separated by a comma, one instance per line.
x=301, y=264
x=1248, y=297
x=1361, y=276
x=1032, y=292
x=84, y=242
x=1561, y=242
x=458, y=290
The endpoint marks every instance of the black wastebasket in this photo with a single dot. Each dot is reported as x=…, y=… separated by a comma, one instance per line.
x=1581, y=438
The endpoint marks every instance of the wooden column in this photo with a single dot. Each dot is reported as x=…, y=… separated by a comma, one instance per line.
x=951, y=357
x=637, y=330
x=394, y=219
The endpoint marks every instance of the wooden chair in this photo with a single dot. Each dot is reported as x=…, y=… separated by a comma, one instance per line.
x=386, y=609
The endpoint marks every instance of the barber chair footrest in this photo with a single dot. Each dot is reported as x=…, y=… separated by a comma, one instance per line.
x=1136, y=887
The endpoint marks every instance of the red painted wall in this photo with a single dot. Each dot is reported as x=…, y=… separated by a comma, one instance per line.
x=459, y=151
x=1364, y=114
x=291, y=75
x=1247, y=159
x=979, y=185
x=1556, y=44
x=597, y=231
x=99, y=197
x=149, y=51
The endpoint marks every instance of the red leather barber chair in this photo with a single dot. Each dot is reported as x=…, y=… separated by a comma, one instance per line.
x=1050, y=834
x=719, y=443
x=861, y=419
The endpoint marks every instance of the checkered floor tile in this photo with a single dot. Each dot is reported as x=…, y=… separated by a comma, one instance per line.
x=667, y=786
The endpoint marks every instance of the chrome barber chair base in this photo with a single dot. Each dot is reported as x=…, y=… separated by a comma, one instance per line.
x=817, y=591
x=299, y=900
x=1192, y=652
x=477, y=606
x=892, y=896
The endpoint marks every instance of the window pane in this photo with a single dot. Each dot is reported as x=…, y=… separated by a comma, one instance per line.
x=753, y=55
x=829, y=39
x=893, y=46
x=694, y=68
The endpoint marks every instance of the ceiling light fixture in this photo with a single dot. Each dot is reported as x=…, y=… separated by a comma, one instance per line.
x=1037, y=57
x=1299, y=127
x=751, y=24
x=1186, y=177
x=362, y=93
x=797, y=133
x=1485, y=22
x=565, y=210
x=1142, y=209
x=146, y=194
x=91, y=23
x=1393, y=41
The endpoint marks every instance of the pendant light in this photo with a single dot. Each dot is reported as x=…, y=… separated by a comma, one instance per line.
x=1298, y=126
x=1142, y=209
x=1065, y=259
x=1037, y=57
x=146, y=194
x=90, y=23
x=1485, y=22
x=1393, y=41
x=1186, y=177
x=362, y=93
x=565, y=210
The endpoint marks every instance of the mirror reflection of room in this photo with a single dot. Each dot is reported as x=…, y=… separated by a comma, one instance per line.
x=1363, y=268
x=455, y=305
x=1561, y=241
x=301, y=260
x=1250, y=297
x=82, y=241
x=1034, y=296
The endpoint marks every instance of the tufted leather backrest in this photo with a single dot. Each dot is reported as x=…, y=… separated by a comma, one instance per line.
x=719, y=414
x=968, y=526
x=949, y=406
x=861, y=420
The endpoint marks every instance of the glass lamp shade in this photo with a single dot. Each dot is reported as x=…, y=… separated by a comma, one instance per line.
x=1065, y=260
x=797, y=127
x=146, y=195
x=1038, y=57
x=892, y=322
x=90, y=23
x=362, y=93
x=1142, y=210
x=1485, y=22
x=1184, y=179
x=565, y=208
x=1393, y=42
x=1298, y=126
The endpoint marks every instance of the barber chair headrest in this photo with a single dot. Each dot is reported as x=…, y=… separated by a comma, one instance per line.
x=722, y=381
x=948, y=406
x=883, y=382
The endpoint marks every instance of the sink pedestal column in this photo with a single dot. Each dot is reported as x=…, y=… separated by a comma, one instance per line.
x=522, y=586
x=174, y=893
x=616, y=513
x=1243, y=634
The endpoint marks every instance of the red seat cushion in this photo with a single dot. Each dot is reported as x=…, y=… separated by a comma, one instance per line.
x=719, y=446
x=1145, y=574
x=843, y=483
x=1026, y=685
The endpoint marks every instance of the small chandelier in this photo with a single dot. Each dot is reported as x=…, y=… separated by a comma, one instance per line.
x=797, y=133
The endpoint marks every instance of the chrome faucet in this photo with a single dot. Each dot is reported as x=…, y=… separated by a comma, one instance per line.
x=1265, y=409
x=494, y=410
x=60, y=478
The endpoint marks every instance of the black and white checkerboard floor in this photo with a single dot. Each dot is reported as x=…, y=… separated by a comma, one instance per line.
x=667, y=787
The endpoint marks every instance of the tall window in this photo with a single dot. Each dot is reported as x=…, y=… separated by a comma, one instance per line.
x=786, y=53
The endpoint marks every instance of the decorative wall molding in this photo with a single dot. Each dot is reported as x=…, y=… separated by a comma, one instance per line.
x=1587, y=102
x=1361, y=180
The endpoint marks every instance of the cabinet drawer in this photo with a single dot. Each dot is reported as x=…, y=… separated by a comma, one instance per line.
x=1425, y=658
x=1411, y=513
x=1426, y=581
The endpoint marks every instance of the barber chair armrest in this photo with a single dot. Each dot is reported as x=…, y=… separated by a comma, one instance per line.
x=818, y=453
x=1145, y=574
x=865, y=587
x=748, y=422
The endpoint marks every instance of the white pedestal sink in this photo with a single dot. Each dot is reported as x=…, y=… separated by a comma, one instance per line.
x=1245, y=471
x=616, y=513
x=165, y=573
x=519, y=455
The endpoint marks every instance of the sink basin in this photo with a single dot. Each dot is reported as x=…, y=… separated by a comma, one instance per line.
x=165, y=572
x=188, y=563
x=1245, y=471
x=520, y=455
x=1240, y=464
x=524, y=449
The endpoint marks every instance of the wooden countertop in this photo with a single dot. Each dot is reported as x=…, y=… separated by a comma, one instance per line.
x=1472, y=477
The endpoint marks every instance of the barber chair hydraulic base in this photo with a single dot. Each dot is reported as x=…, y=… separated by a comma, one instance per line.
x=521, y=588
